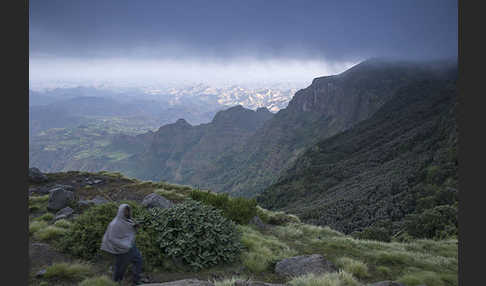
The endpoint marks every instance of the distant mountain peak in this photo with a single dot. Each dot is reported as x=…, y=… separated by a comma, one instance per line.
x=182, y=121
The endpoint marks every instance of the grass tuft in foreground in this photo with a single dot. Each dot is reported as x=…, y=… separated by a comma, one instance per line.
x=262, y=250
x=98, y=281
x=340, y=278
x=66, y=271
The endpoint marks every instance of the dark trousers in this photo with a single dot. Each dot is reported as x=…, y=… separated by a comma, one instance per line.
x=122, y=261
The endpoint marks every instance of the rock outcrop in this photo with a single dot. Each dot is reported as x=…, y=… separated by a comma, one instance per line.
x=154, y=200
x=59, y=197
x=303, y=264
x=64, y=213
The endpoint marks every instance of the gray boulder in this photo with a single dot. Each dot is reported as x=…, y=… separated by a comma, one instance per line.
x=59, y=198
x=154, y=200
x=387, y=283
x=300, y=265
x=38, y=191
x=185, y=282
x=64, y=213
x=36, y=176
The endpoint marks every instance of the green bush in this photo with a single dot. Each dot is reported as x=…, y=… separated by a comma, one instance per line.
x=239, y=210
x=437, y=223
x=196, y=233
x=83, y=238
x=63, y=223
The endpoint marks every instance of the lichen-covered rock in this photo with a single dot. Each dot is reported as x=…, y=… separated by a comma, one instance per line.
x=64, y=213
x=300, y=265
x=154, y=200
x=59, y=198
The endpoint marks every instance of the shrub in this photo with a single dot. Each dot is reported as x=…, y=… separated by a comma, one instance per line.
x=83, y=238
x=194, y=232
x=66, y=271
x=63, y=223
x=98, y=281
x=439, y=222
x=355, y=267
x=239, y=210
x=340, y=278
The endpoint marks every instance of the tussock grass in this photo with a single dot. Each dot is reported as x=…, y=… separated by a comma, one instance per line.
x=262, y=250
x=45, y=217
x=115, y=175
x=276, y=218
x=172, y=195
x=98, y=281
x=340, y=278
x=422, y=278
x=66, y=271
x=63, y=223
x=300, y=230
x=353, y=266
x=35, y=226
x=229, y=281
x=38, y=203
x=49, y=233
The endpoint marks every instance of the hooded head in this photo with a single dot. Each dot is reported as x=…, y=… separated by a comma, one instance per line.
x=124, y=212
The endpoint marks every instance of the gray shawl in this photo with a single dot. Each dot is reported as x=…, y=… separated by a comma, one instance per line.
x=120, y=234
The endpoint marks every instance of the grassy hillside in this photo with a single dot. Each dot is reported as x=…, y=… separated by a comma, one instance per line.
x=431, y=262
x=398, y=166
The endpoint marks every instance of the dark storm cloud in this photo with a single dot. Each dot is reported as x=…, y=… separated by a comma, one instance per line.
x=332, y=30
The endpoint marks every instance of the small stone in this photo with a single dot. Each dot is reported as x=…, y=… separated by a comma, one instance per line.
x=40, y=273
x=64, y=213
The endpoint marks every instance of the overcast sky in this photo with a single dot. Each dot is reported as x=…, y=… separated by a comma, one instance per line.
x=273, y=40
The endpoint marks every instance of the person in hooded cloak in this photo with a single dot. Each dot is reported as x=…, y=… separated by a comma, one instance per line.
x=119, y=240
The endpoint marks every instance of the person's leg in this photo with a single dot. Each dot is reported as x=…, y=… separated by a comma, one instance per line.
x=121, y=263
x=136, y=259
